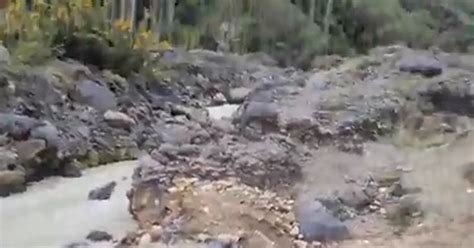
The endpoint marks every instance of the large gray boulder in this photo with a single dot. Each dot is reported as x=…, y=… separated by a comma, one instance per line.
x=317, y=224
x=94, y=94
x=420, y=64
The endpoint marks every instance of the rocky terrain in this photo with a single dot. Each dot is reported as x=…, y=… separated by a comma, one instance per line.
x=354, y=153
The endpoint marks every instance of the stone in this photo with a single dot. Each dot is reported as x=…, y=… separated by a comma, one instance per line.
x=145, y=240
x=355, y=198
x=98, y=236
x=300, y=244
x=468, y=173
x=217, y=244
x=147, y=199
x=29, y=149
x=218, y=99
x=12, y=182
x=175, y=134
x=169, y=150
x=156, y=232
x=94, y=94
x=4, y=56
x=17, y=127
x=419, y=64
x=70, y=169
x=451, y=95
x=4, y=140
x=188, y=150
x=79, y=244
x=259, y=112
x=316, y=224
x=238, y=95
x=49, y=133
x=103, y=192
x=119, y=120
x=12, y=175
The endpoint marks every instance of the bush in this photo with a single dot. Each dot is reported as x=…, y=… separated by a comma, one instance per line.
x=76, y=29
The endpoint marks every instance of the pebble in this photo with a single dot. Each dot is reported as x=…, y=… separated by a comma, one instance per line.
x=145, y=240
x=295, y=231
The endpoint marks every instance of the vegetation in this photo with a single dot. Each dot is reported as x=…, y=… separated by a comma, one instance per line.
x=292, y=31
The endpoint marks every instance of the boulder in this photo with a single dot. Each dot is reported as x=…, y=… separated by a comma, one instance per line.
x=29, y=149
x=265, y=114
x=317, y=224
x=94, y=94
x=454, y=95
x=17, y=127
x=12, y=175
x=98, y=236
x=238, y=95
x=47, y=132
x=119, y=120
x=69, y=169
x=355, y=198
x=103, y=192
x=419, y=64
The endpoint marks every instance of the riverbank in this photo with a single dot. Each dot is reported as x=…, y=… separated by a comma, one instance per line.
x=228, y=145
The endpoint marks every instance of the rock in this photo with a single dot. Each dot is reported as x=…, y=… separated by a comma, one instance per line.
x=175, y=134
x=157, y=156
x=69, y=169
x=29, y=149
x=4, y=56
x=145, y=240
x=403, y=212
x=156, y=232
x=218, y=99
x=94, y=94
x=98, y=236
x=355, y=198
x=316, y=224
x=454, y=95
x=119, y=120
x=103, y=192
x=265, y=114
x=146, y=199
x=387, y=178
x=468, y=173
x=4, y=139
x=217, y=244
x=195, y=114
x=419, y=64
x=12, y=175
x=238, y=95
x=169, y=150
x=79, y=244
x=49, y=133
x=300, y=244
x=17, y=127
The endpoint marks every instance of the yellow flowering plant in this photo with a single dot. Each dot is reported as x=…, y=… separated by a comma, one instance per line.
x=34, y=33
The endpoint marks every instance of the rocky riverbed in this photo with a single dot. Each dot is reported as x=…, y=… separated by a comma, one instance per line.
x=230, y=151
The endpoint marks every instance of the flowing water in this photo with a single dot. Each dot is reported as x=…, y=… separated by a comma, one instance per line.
x=56, y=211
